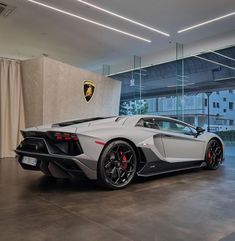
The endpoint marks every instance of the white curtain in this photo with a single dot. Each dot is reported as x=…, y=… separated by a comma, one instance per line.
x=12, y=117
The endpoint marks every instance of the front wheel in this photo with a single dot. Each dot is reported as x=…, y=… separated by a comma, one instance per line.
x=117, y=165
x=214, y=154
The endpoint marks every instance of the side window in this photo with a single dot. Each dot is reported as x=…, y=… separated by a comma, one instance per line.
x=148, y=123
x=173, y=126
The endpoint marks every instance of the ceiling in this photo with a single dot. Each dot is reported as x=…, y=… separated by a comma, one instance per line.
x=200, y=75
x=31, y=30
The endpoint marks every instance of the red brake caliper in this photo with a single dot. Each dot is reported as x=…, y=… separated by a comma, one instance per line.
x=209, y=156
x=124, y=162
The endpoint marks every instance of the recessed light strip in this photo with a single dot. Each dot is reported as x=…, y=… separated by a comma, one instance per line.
x=222, y=55
x=181, y=85
x=89, y=21
x=214, y=62
x=228, y=78
x=122, y=17
x=206, y=22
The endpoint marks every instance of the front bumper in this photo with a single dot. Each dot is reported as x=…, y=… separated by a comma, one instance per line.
x=60, y=166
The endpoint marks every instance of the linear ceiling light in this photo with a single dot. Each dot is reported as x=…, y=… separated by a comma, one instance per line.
x=122, y=17
x=214, y=62
x=206, y=22
x=89, y=21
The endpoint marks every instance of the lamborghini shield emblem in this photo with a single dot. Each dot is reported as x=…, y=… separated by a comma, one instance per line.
x=88, y=89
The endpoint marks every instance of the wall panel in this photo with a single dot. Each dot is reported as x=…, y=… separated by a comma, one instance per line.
x=54, y=92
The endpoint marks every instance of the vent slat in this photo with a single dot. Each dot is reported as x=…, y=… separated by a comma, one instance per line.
x=3, y=4
x=5, y=10
x=1, y=9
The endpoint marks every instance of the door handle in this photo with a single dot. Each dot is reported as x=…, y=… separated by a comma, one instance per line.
x=165, y=135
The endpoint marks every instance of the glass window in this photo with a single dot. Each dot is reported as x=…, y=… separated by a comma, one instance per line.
x=174, y=126
x=231, y=105
x=167, y=89
x=147, y=123
x=166, y=125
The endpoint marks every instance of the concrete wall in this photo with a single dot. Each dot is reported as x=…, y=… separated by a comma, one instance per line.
x=53, y=91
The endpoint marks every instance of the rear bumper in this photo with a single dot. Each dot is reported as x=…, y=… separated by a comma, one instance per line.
x=61, y=166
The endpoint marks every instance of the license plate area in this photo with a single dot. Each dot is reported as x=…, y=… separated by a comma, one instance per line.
x=29, y=161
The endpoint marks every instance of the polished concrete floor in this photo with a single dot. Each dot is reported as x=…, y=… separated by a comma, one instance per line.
x=193, y=205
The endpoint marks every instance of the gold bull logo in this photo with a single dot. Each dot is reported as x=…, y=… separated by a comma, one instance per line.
x=88, y=89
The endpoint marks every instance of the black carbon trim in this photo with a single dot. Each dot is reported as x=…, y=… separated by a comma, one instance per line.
x=150, y=155
x=158, y=167
x=66, y=165
x=41, y=142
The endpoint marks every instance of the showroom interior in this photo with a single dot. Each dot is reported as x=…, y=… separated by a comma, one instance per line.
x=87, y=60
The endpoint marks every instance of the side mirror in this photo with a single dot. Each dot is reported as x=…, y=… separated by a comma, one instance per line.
x=199, y=130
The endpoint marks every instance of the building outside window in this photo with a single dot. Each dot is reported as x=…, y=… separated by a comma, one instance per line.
x=157, y=90
x=230, y=105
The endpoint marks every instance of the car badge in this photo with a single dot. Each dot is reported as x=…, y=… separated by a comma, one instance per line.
x=88, y=90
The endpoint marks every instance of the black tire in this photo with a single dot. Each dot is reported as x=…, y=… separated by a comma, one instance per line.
x=214, y=154
x=117, y=165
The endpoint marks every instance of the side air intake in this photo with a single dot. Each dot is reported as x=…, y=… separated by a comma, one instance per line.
x=6, y=10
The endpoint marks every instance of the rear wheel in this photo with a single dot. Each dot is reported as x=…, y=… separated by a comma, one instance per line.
x=214, y=154
x=117, y=165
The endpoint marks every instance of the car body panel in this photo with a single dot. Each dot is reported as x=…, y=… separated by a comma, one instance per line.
x=158, y=150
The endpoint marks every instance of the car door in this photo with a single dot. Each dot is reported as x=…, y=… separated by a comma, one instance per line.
x=156, y=139
x=179, y=141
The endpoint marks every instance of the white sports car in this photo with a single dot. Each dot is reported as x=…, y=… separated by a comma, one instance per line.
x=113, y=150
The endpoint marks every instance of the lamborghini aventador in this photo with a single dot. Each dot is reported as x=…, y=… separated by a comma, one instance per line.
x=114, y=150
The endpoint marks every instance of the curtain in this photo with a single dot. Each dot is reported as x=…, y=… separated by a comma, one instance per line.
x=12, y=117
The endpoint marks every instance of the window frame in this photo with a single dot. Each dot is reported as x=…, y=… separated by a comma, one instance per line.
x=193, y=131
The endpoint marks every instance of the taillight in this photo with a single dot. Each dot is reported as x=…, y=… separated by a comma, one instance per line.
x=63, y=136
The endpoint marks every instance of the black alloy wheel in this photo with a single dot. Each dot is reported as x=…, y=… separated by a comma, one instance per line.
x=117, y=165
x=214, y=154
